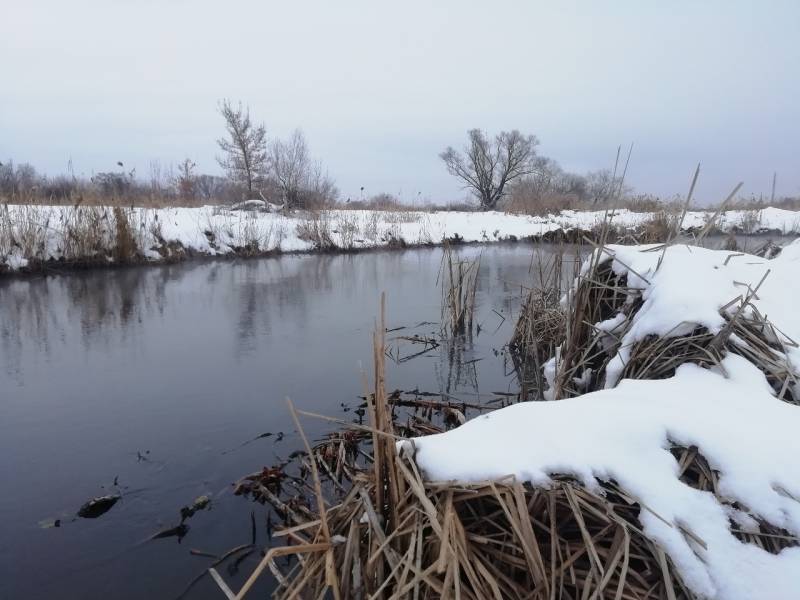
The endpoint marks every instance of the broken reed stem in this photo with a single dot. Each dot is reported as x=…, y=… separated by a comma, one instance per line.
x=679, y=223
x=722, y=207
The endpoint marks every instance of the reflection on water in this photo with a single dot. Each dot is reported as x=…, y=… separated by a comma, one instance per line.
x=180, y=364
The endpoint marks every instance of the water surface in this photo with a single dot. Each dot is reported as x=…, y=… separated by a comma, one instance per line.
x=155, y=376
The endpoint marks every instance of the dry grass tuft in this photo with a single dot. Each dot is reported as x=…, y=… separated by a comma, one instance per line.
x=601, y=294
x=459, y=281
x=125, y=247
x=541, y=325
x=316, y=229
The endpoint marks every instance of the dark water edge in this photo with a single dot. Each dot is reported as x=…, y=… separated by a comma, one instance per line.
x=155, y=376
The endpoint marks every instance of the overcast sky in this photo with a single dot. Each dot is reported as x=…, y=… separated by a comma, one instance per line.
x=380, y=88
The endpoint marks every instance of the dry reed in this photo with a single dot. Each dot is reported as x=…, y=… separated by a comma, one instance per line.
x=384, y=531
x=459, y=282
x=541, y=323
x=602, y=294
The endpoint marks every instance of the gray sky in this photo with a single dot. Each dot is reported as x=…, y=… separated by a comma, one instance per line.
x=381, y=88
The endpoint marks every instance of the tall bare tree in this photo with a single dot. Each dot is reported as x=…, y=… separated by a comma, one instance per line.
x=601, y=185
x=245, y=155
x=487, y=166
x=301, y=180
x=291, y=166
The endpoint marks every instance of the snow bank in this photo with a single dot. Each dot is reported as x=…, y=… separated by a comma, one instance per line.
x=693, y=284
x=624, y=433
x=43, y=231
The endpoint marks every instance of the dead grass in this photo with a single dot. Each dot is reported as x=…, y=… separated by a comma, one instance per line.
x=315, y=228
x=125, y=247
x=695, y=471
x=347, y=230
x=87, y=196
x=385, y=531
x=541, y=325
x=459, y=283
x=601, y=294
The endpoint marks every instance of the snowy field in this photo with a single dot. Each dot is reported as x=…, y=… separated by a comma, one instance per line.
x=54, y=233
x=624, y=432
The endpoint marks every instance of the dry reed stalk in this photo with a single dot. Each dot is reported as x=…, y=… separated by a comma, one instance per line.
x=459, y=281
x=713, y=220
x=541, y=324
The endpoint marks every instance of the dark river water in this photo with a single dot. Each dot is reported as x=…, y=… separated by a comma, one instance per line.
x=155, y=376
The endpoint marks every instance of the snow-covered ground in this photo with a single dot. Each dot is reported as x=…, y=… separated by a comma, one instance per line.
x=52, y=232
x=624, y=433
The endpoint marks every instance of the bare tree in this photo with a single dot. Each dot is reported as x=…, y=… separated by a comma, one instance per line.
x=114, y=184
x=302, y=181
x=245, y=152
x=185, y=182
x=320, y=189
x=600, y=185
x=291, y=166
x=487, y=166
x=210, y=187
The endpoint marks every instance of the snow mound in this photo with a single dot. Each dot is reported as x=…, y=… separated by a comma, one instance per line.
x=730, y=413
x=691, y=286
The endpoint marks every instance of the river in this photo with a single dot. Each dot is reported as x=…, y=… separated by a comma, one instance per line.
x=155, y=377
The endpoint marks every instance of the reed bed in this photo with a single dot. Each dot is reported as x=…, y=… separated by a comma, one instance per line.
x=363, y=522
x=541, y=323
x=600, y=294
x=80, y=235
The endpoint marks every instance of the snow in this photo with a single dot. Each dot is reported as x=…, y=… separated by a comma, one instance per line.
x=691, y=286
x=254, y=204
x=624, y=433
x=231, y=229
x=15, y=260
x=767, y=219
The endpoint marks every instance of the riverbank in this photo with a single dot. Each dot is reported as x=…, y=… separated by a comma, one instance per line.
x=35, y=238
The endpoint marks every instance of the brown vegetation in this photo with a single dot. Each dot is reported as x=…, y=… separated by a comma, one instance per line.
x=384, y=531
x=459, y=283
x=601, y=294
x=541, y=323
